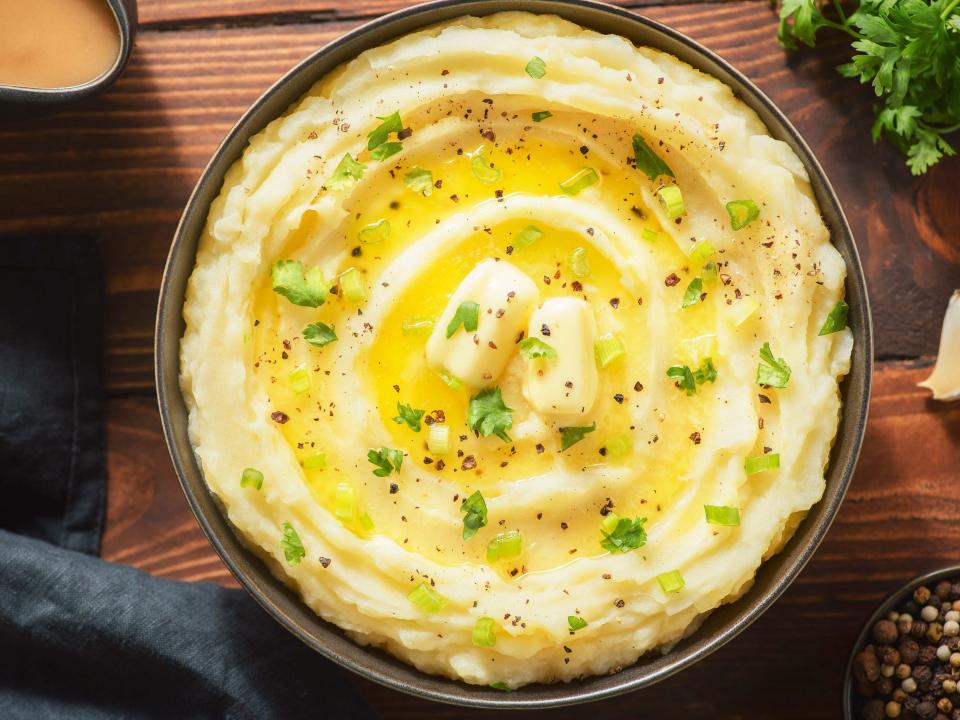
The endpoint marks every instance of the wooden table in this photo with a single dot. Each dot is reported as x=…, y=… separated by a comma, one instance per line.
x=121, y=166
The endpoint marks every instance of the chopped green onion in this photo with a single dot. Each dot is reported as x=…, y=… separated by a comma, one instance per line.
x=570, y=436
x=578, y=263
x=505, y=546
x=452, y=382
x=417, y=325
x=836, y=320
x=533, y=348
x=619, y=446
x=351, y=285
x=315, y=462
x=426, y=599
x=743, y=309
x=419, y=180
x=647, y=161
x=527, y=237
x=485, y=632
x=772, y=371
x=760, y=463
x=475, y=514
x=649, y=234
x=346, y=173
x=671, y=582
x=671, y=199
x=536, y=68
x=391, y=124
x=609, y=522
x=438, y=439
x=691, y=295
x=300, y=381
x=375, y=232
x=710, y=274
x=319, y=334
x=293, y=551
x=580, y=181
x=576, y=623
x=722, y=515
x=345, y=502
x=700, y=254
x=382, y=152
x=366, y=522
x=305, y=288
x=484, y=171
x=251, y=476
x=467, y=314
x=608, y=348
x=742, y=213
x=542, y=115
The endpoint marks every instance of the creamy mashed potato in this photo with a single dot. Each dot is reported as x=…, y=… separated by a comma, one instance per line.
x=648, y=395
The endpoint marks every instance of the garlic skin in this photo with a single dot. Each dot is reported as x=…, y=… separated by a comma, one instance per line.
x=944, y=381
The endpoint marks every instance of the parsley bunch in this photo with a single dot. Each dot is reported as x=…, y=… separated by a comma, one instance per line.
x=909, y=50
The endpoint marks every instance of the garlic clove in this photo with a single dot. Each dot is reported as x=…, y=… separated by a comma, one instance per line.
x=944, y=381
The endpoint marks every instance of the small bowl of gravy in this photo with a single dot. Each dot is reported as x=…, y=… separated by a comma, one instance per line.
x=56, y=51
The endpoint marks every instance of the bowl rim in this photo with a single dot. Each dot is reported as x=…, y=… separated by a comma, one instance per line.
x=777, y=572
x=125, y=13
x=889, y=603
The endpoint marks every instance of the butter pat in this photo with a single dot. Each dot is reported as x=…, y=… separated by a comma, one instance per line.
x=506, y=298
x=567, y=385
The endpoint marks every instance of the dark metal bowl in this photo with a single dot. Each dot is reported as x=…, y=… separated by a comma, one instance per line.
x=125, y=12
x=851, y=700
x=726, y=622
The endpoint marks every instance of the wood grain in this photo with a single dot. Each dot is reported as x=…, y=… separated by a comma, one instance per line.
x=122, y=165
x=899, y=519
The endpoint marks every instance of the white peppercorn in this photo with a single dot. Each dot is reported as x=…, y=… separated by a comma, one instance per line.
x=951, y=627
x=943, y=653
x=909, y=685
x=887, y=670
x=929, y=613
x=952, y=615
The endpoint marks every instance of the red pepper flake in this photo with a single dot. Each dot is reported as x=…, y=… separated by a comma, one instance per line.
x=671, y=280
x=469, y=463
x=279, y=417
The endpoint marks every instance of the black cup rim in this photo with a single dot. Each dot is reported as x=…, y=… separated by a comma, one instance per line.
x=725, y=622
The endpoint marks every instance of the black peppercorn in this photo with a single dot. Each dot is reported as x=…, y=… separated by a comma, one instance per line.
x=942, y=590
x=927, y=655
x=873, y=710
x=922, y=674
x=926, y=710
x=889, y=655
x=909, y=650
x=885, y=633
x=918, y=629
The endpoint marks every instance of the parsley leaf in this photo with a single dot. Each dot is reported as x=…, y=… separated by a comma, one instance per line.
x=693, y=292
x=542, y=115
x=536, y=68
x=467, y=314
x=772, y=371
x=290, y=543
x=386, y=460
x=706, y=372
x=476, y=514
x=307, y=289
x=319, y=334
x=378, y=136
x=382, y=152
x=488, y=415
x=576, y=623
x=419, y=180
x=532, y=348
x=687, y=379
x=626, y=536
x=836, y=320
x=410, y=416
x=346, y=173
x=647, y=161
x=570, y=436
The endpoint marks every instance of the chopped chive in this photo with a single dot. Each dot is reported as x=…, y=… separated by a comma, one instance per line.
x=608, y=348
x=351, y=285
x=300, y=381
x=438, y=439
x=836, y=320
x=505, y=546
x=417, y=325
x=485, y=632
x=671, y=582
x=484, y=171
x=251, y=476
x=722, y=515
x=375, y=232
x=580, y=181
x=742, y=213
x=536, y=68
x=315, y=462
x=578, y=263
x=671, y=199
x=527, y=237
x=542, y=115
x=426, y=599
x=291, y=545
x=576, y=623
x=760, y=463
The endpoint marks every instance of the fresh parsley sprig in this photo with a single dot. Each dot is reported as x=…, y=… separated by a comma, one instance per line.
x=908, y=50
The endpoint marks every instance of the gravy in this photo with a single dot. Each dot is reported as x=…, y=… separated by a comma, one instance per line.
x=56, y=43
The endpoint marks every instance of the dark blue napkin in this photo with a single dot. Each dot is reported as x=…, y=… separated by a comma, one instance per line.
x=79, y=637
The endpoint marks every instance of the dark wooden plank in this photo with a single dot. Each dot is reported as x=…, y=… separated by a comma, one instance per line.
x=122, y=165
x=899, y=520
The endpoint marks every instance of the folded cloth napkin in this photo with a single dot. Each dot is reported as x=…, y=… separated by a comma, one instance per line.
x=79, y=637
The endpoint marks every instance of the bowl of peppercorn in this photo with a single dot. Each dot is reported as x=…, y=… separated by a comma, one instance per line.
x=906, y=662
